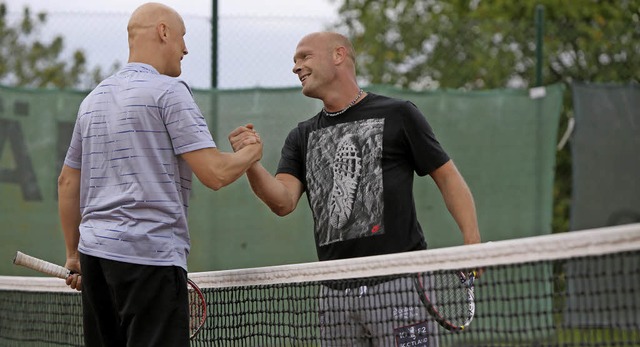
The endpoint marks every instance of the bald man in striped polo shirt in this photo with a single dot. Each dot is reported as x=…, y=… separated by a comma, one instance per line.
x=125, y=185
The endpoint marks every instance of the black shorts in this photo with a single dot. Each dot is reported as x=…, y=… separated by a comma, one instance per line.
x=133, y=305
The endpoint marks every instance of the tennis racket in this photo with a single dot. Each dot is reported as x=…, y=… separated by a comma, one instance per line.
x=197, y=303
x=454, y=305
x=197, y=309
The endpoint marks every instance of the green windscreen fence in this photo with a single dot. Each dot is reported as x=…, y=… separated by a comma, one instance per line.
x=605, y=151
x=503, y=142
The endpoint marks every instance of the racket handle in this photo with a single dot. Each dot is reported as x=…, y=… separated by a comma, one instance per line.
x=41, y=265
x=472, y=277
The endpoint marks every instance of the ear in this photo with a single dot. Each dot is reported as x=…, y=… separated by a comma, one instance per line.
x=163, y=31
x=339, y=55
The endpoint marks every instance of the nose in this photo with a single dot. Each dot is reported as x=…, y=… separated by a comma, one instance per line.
x=185, y=52
x=296, y=68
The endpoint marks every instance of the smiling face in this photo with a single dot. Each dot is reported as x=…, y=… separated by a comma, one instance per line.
x=314, y=65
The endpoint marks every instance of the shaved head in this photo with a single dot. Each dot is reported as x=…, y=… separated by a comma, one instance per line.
x=156, y=37
x=333, y=40
x=148, y=16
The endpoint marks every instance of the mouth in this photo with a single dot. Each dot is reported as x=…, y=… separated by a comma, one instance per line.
x=303, y=78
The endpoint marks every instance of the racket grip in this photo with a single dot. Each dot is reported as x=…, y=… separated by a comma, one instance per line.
x=472, y=277
x=41, y=265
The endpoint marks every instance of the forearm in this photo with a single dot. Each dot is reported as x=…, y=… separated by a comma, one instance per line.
x=459, y=202
x=217, y=169
x=233, y=165
x=70, y=223
x=69, y=209
x=280, y=193
x=275, y=193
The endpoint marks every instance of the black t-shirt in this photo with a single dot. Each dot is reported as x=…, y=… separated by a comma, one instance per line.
x=357, y=169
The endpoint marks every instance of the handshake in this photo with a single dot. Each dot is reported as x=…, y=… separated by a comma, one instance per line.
x=243, y=136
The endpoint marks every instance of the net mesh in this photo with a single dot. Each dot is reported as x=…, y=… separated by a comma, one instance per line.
x=573, y=289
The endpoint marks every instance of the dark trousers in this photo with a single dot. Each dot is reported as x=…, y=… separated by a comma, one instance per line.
x=133, y=305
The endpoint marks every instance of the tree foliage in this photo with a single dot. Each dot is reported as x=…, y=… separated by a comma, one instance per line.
x=473, y=44
x=491, y=44
x=27, y=61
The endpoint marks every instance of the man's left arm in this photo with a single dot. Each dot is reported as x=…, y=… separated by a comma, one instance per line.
x=458, y=199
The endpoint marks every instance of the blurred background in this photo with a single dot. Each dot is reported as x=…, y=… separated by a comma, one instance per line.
x=246, y=32
x=536, y=101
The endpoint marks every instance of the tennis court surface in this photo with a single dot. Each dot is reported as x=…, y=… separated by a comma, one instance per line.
x=579, y=288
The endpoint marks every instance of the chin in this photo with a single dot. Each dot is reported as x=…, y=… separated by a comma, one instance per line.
x=311, y=93
x=307, y=90
x=175, y=72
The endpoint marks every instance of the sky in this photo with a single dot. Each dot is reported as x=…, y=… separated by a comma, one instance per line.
x=191, y=7
x=256, y=38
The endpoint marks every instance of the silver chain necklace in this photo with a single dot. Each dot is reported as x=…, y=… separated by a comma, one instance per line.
x=333, y=114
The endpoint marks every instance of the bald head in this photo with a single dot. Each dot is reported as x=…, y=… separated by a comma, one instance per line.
x=147, y=16
x=333, y=41
x=156, y=37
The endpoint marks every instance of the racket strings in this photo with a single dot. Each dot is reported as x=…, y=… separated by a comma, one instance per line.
x=197, y=308
x=451, y=298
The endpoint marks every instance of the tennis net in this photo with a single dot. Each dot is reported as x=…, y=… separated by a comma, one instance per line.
x=573, y=289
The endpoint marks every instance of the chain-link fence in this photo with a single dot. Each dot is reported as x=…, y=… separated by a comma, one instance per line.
x=411, y=50
x=253, y=51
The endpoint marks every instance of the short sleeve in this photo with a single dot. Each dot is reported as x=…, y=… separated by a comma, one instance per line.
x=427, y=153
x=184, y=121
x=291, y=156
x=73, y=158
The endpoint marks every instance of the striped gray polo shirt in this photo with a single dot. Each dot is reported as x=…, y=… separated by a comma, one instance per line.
x=135, y=188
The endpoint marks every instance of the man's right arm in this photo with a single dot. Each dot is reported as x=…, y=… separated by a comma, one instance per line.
x=216, y=169
x=282, y=192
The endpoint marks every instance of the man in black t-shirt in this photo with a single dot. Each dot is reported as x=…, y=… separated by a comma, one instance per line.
x=356, y=161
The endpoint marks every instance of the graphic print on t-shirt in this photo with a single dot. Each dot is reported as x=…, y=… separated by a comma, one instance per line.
x=344, y=178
